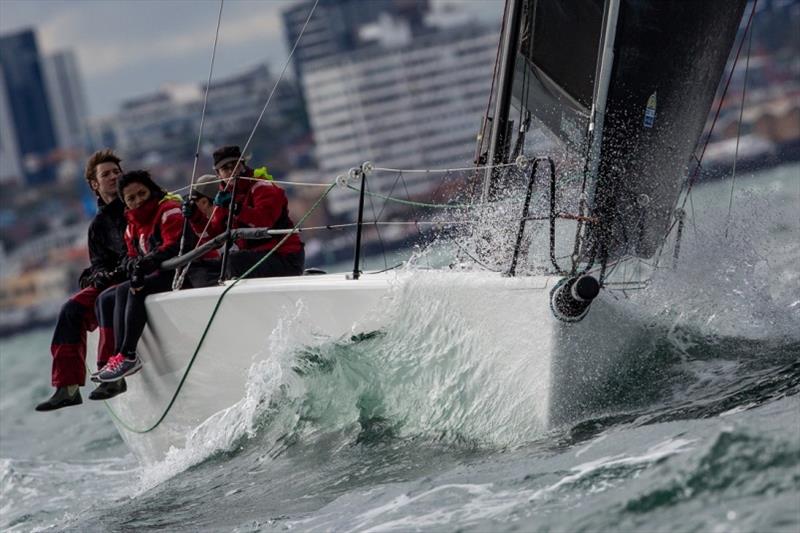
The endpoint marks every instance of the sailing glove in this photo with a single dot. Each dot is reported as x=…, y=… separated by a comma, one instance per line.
x=223, y=199
x=129, y=265
x=189, y=208
x=102, y=279
x=147, y=264
x=137, y=280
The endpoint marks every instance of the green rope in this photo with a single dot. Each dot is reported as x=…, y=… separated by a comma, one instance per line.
x=211, y=320
x=410, y=202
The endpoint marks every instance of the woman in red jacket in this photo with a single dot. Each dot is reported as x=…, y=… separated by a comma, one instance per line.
x=155, y=223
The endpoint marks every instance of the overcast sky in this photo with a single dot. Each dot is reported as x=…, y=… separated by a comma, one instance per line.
x=127, y=48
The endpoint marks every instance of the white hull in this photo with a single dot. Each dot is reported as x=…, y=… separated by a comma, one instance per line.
x=511, y=316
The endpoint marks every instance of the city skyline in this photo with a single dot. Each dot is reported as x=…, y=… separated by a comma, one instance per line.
x=401, y=86
x=166, y=42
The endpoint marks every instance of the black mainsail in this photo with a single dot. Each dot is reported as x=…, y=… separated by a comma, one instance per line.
x=624, y=85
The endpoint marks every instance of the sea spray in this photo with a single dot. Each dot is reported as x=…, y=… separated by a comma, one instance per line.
x=270, y=381
x=741, y=283
x=440, y=369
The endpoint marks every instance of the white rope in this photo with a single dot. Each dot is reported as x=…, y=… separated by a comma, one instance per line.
x=429, y=170
x=279, y=182
x=314, y=184
x=297, y=183
x=368, y=223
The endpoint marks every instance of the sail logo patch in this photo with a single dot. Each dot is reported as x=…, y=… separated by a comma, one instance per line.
x=650, y=111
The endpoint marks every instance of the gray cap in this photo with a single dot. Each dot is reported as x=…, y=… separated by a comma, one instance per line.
x=206, y=185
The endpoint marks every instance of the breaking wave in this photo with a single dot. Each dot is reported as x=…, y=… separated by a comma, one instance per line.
x=725, y=343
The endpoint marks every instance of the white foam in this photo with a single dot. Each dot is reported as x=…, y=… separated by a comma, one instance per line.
x=652, y=454
x=735, y=279
x=267, y=377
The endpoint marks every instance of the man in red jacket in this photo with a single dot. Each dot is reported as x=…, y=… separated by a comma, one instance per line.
x=256, y=203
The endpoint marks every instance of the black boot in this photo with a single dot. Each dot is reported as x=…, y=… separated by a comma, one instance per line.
x=61, y=398
x=106, y=391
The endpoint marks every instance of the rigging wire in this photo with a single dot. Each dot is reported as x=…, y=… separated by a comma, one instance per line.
x=205, y=100
x=387, y=269
x=739, y=132
x=475, y=259
x=383, y=208
x=443, y=170
x=408, y=195
x=696, y=172
x=377, y=228
x=177, y=280
x=275, y=87
x=279, y=182
x=260, y=116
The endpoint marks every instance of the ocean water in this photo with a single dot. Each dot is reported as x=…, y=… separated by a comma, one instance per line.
x=376, y=433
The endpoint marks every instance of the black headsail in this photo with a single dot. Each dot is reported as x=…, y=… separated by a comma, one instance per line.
x=623, y=85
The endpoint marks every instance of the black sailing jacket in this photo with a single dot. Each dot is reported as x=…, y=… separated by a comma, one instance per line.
x=106, y=244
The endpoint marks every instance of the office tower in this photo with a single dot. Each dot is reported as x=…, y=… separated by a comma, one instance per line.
x=164, y=125
x=10, y=163
x=30, y=110
x=67, y=99
x=334, y=27
x=415, y=105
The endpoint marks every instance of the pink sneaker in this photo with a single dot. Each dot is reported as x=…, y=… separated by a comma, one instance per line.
x=118, y=367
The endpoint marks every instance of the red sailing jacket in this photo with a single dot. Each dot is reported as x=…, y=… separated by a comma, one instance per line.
x=154, y=227
x=263, y=205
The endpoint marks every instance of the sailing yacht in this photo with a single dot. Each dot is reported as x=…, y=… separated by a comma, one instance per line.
x=596, y=109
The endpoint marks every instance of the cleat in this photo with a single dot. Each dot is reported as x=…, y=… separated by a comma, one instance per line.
x=106, y=391
x=61, y=398
x=119, y=367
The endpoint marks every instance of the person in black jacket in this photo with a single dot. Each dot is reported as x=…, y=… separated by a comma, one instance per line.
x=106, y=252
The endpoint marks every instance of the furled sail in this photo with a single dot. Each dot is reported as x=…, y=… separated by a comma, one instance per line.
x=623, y=85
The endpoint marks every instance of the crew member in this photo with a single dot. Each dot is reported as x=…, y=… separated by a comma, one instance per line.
x=153, y=235
x=204, y=272
x=256, y=203
x=77, y=316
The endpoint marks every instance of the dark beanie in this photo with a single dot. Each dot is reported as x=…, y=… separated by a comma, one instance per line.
x=227, y=154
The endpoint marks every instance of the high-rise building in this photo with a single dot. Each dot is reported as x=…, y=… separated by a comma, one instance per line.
x=30, y=110
x=414, y=103
x=235, y=102
x=159, y=125
x=163, y=126
x=334, y=27
x=67, y=99
x=10, y=163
